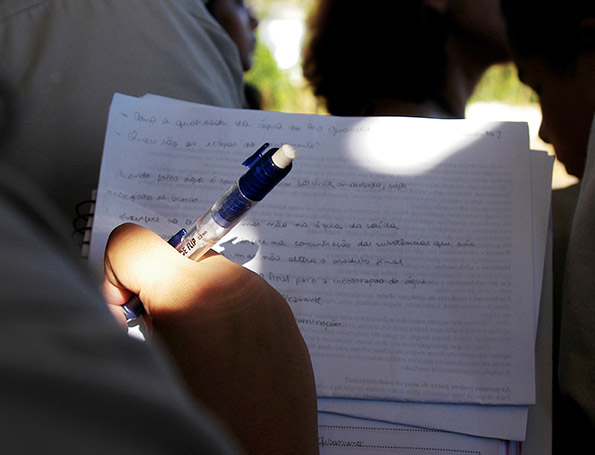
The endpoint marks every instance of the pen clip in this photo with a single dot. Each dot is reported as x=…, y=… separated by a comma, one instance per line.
x=256, y=156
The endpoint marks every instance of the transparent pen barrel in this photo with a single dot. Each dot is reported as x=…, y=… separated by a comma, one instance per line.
x=201, y=236
x=215, y=224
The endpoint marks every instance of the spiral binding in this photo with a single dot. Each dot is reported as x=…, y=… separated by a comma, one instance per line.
x=83, y=222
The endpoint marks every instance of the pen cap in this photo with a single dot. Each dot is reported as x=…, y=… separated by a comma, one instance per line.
x=267, y=172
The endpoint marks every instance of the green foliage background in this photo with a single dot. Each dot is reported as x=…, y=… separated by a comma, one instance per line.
x=500, y=83
x=278, y=92
x=274, y=85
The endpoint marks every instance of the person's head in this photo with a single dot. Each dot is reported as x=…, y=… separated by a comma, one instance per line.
x=553, y=45
x=355, y=50
x=478, y=24
x=358, y=52
x=240, y=23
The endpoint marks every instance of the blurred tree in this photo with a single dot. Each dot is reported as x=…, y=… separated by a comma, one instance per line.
x=263, y=6
x=265, y=75
x=277, y=91
x=501, y=83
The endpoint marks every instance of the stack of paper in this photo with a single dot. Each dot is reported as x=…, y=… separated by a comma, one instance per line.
x=411, y=251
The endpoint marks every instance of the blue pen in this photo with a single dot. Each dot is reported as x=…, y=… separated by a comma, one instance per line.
x=265, y=171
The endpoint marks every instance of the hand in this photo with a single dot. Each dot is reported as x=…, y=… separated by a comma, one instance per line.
x=232, y=336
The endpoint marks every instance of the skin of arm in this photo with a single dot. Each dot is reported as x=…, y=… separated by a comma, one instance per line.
x=231, y=335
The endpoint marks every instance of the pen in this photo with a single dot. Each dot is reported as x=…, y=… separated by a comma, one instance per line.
x=265, y=171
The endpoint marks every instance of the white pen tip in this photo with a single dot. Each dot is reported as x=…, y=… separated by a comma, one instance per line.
x=284, y=156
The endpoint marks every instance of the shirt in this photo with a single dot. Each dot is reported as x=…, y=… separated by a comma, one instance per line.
x=71, y=380
x=65, y=59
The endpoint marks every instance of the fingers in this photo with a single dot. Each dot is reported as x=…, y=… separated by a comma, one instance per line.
x=171, y=287
x=138, y=261
x=231, y=335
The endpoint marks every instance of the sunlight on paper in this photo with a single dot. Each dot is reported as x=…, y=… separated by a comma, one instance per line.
x=414, y=154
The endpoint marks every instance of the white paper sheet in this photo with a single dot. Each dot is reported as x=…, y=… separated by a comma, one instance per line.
x=501, y=422
x=340, y=435
x=404, y=246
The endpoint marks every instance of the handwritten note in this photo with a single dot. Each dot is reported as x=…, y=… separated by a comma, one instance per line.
x=404, y=246
x=496, y=422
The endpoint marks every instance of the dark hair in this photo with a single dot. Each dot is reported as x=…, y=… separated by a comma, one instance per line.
x=548, y=29
x=359, y=51
x=253, y=96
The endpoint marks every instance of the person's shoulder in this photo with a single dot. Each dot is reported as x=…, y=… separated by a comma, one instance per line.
x=60, y=344
x=12, y=7
x=15, y=8
x=564, y=199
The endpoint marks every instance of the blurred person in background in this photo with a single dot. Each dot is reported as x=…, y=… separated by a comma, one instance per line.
x=240, y=22
x=419, y=58
x=553, y=45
